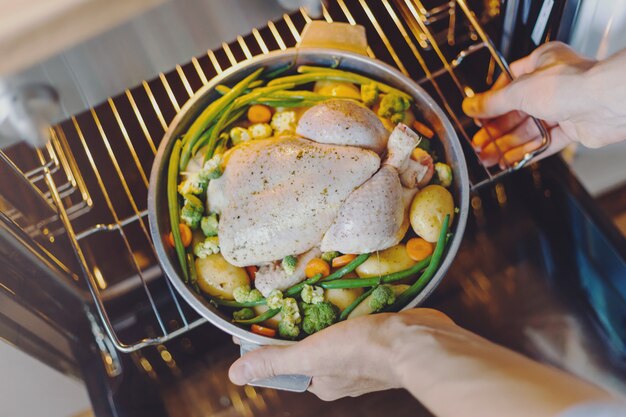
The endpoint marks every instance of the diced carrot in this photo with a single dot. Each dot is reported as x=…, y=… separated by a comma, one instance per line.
x=342, y=260
x=423, y=130
x=258, y=113
x=185, y=235
x=251, y=270
x=263, y=331
x=316, y=266
x=418, y=249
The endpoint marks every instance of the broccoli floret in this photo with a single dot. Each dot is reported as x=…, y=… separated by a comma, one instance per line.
x=209, y=225
x=444, y=174
x=393, y=106
x=209, y=246
x=287, y=329
x=381, y=297
x=194, y=183
x=329, y=256
x=275, y=299
x=212, y=168
x=192, y=210
x=244, y=294
x=318, y=316
x=260, y=131
x=289, y=264
x=284, y=121
x=239, y=135
x=312, y=294
x=243, y=314
x=290, y=311
x=369, y=93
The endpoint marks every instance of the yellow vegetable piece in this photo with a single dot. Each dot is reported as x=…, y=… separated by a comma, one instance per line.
x=218, y=278
x=337, y=89
x=385, y=262
x=429, y=209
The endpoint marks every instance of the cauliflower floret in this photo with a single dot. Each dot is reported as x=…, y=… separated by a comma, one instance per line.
x=275, y=299
x=287, y=329
x=212, y=168
x=284, y=121
x=245, y=313
x=369, y=93
x=209, y=246
x=444, y=174
x=239, y=135
x=311, y=294
x=191, y=213
x=260, y=131
x=290, y=311
x=289, y=264
x=209, y=225
x=194, y=183
x=393, y=106
x=244, y=294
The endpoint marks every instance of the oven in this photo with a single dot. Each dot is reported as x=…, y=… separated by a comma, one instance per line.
x=540, y=269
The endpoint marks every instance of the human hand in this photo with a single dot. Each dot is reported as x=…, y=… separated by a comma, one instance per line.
x=579, y=100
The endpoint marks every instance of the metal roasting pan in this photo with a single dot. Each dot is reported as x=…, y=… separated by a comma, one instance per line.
x=157, y=193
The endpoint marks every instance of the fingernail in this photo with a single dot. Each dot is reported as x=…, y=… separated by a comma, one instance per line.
x=238, y=373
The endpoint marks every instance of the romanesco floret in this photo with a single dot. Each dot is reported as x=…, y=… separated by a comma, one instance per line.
x=444, y=174
x=207, y=247
x=369, y=93
x=287, y=329
x=194, y=183
x=260, y=131
x=318, y=316
x=289, y=264
x=275, y=299
x=192, y=211
x=209, y=225
x=329, y=256
x=393, y=106
x=244, y=294
x=381, y=297
x=312, y=294
x=243, y=314
x=212, y=168
x=239, y=135
x=284, y=121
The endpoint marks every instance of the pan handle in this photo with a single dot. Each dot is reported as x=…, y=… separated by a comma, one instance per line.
x=335, y=35
x=293, y=383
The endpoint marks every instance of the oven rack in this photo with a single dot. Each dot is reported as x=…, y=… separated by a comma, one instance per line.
x=115, y=142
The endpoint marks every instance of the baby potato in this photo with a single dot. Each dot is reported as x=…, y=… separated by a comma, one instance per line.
x=364, y=308
x=429, y=209
x=387, y=261
x=337, y=89
x=342, y=297
x=218, y=278
x=272, y=322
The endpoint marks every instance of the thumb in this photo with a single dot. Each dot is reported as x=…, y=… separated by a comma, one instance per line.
x=265, y=363
x=497, y=102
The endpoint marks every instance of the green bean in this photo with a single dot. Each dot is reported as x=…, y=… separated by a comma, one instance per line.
x=310, y=74
x=285, y=103
x=278, y=71
x=345, y=313
x=422, y=281
x=219, y=125
x=296, y=289
x=210, y=113
x=207, y=134
x=223, y=89
x=172, y=201
x=233, y=303
x=373, y=281
x=260, y=92
x=193, y=275
x=260, y=318
x=303, y=94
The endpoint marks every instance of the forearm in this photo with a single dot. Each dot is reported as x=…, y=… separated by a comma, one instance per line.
x=455, y=373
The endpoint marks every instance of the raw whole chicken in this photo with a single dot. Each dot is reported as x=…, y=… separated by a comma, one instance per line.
x=327, y=189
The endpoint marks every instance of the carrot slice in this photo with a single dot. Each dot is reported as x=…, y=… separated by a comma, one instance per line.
x=423, y=130
x=251, y=270
x=258, y=113
x=185, y=235
x=316, y=266
x=418, y=249
x=342, y=260
x=263, y=331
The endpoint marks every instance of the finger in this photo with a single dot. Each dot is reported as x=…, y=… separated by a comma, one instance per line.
x=558, y=141
x=524, y=132
x=267, y=362
x=496, y=128
x=495, y=103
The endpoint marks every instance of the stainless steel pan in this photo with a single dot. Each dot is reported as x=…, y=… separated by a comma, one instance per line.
x=157, y=200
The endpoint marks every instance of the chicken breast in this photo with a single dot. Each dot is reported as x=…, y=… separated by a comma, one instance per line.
x=343, y=122
x=278, y=196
